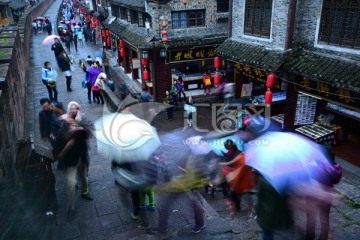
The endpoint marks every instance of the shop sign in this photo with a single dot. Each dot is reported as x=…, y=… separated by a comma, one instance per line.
x=192, y=54
x=329, y=92
x=254, y=74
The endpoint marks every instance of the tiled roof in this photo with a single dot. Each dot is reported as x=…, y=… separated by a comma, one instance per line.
x=252, y=55
x=323, y=68
x=5, y=1
x=134, y=4
x=139, y=37
x=18, y=4
x=131, y=33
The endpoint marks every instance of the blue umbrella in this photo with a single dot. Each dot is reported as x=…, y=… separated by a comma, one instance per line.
x=63, y=26
x=286, y=160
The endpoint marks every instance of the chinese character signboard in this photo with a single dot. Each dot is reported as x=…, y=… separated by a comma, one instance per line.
x=254, y=74
x=192, y=54
x=328, y=92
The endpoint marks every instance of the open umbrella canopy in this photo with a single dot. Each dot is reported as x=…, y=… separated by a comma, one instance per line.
x=40, y=18
x=125, y=137
x=63, y=26
x=284, y=159
x=147, y=110
x=50, y=39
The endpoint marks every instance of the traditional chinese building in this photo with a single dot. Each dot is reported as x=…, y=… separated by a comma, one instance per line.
x=158, y=41
x=315, y=60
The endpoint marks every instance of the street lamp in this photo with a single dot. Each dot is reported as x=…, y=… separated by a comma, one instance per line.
x=163, y=53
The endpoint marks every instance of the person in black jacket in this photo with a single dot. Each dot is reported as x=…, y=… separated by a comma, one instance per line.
x=57, y=48
x=46, y=118
x=64, y=64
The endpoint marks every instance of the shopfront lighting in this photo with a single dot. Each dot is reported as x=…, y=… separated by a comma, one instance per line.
x=146, y=75
x=145, y=54
x=163, y=53
x=217, y=62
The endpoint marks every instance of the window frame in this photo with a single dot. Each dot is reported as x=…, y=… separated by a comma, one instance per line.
x=259, y=23
x=222, y=6
x=187, y=20
x=336, y=32
x=123, y=13
x=115, y=11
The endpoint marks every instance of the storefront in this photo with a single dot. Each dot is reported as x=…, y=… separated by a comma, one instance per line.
x=248, y=66
x=190, y=65
x=324, y=102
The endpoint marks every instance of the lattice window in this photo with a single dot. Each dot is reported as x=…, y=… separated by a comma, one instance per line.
x=128, y=13
x=141, y=19
x=123, y=13
x=222, y=6
x=115, y=11
x=258, y=18
x=134, y=16
x=187, y=19
x=340, y=23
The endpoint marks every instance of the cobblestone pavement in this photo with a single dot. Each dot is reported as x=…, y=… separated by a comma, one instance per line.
x=108, y=216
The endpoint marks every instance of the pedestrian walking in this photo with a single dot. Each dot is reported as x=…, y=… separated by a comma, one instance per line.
x=49, y=28
x=73, y=135
x=207, y=82
x=80, y=37
x=48, y=76
x=75, y=40
x=34, y=25
x=90, y=78
x=327, y=176
x=180, y=88
x=189, y=109
x=65, y=66
x=97, y=87
x=106, y=63
x=46, y=118
x=169, y=99
x=57, y=48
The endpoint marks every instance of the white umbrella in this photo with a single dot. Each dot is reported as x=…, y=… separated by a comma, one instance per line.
x=125, y=137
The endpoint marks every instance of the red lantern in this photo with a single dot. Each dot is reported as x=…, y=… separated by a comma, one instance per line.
x=98, y=35
x=270, y=81
x=268, y=97
x=217, y=62
x=108, y=41
x=122, y=52
x=146, y=75
x=217, y=78
x=164, y=32
x=164, y=40
x=163, y=25
x=144, y=61
x=107, y=33
x=122, y=43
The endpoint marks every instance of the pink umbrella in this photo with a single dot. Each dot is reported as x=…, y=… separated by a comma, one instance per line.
x=73, y=21
x=50, y=39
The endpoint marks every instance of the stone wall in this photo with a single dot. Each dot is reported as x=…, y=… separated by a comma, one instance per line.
x=278, y=25
x=14, y=60
x=308, y=14
x=212, y=26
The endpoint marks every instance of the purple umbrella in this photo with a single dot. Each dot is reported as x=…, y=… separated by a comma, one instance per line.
x=286, y=160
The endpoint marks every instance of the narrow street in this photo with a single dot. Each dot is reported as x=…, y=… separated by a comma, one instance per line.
x=108, y=216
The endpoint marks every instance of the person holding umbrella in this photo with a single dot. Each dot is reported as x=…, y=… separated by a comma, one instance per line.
x=57, y=48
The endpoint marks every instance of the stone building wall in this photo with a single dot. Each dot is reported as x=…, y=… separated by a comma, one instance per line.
x=212, y=26
x=278, y=25
x=14, y=60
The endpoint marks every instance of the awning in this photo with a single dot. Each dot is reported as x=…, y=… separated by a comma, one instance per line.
x=251, y=55
x=322, y=68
